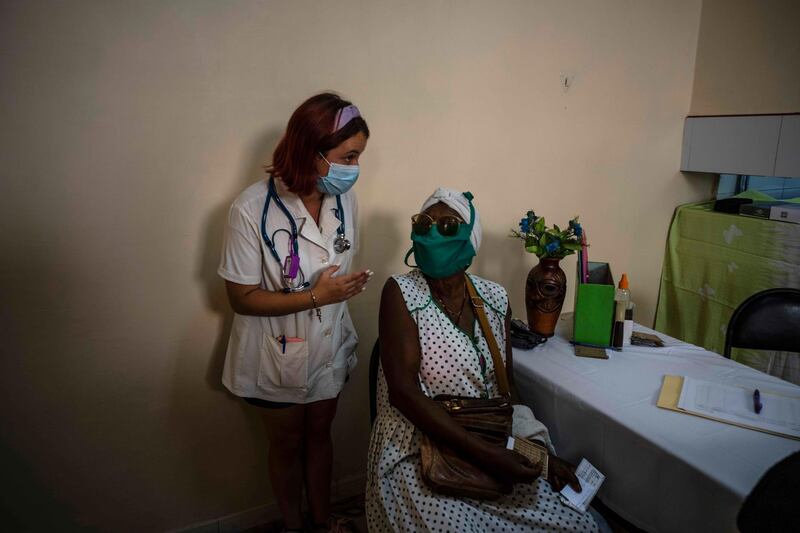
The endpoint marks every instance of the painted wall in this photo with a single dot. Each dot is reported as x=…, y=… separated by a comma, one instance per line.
x=748, y=58
x=129, y=127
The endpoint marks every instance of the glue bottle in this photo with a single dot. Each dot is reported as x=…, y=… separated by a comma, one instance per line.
x=622, y=297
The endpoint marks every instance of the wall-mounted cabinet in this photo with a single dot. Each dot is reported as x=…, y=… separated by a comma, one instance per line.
x=787, y=163
x=757, y=145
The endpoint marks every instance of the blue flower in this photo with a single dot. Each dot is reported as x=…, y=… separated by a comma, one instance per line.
x=553, y=246
x=524, y=225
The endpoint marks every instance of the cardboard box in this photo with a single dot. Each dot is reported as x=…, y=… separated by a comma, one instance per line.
x=758, y=209
x=785, y=213
x=593, y=320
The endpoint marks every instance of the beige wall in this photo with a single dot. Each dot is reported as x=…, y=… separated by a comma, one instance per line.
x=128, y=128
x=748, y=58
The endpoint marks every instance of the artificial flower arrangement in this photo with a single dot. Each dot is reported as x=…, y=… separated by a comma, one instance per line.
x=548, y=242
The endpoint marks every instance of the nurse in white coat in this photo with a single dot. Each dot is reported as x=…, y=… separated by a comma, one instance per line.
x=286, y=260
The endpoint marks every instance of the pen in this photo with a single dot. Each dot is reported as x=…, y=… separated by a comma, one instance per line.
x=584, y=258
x=757, y=401
x=283, y=343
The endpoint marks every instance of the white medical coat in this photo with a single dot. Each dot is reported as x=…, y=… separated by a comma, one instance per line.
x=256, y=364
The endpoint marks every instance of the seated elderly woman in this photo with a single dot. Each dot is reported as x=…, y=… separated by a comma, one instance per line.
x=431, y=343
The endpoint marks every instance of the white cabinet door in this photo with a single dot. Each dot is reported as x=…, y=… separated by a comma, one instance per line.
x=787, y=164
x=731, y=145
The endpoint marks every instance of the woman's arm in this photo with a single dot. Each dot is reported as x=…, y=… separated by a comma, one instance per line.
x=400, y=359
x=253, y=300
x=560, y=472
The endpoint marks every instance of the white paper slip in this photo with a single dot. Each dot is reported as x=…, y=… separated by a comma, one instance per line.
x=590, y=479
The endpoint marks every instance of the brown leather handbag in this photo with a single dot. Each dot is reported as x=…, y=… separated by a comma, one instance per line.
x=443, y=470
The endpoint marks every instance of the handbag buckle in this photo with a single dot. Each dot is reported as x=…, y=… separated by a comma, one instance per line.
x=453, y=405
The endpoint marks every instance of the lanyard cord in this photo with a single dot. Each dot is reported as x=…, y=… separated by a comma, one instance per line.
x=271, y=245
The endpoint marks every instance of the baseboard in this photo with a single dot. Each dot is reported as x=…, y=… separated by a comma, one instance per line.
x=348, y=487
x=263, y=514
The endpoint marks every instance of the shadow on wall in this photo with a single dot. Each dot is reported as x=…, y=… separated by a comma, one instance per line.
x=502, y=260
x=201, y=415
x=381, y=242
x=216, y=297
x=381, y=238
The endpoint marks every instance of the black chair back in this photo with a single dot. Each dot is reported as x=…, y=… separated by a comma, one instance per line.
x=374, y=363
x=768, y=320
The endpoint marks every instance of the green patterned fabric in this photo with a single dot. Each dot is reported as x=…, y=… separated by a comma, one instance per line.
x=713, y=262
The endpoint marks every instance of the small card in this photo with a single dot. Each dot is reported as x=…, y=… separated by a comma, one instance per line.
x=590, y=351
x=590, y=479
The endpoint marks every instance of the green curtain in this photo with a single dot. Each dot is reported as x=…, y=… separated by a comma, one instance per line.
x=713, y=262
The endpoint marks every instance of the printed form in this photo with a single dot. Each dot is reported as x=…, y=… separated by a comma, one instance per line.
x=729, y=403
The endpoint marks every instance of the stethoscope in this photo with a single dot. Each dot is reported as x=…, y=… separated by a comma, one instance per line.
x=291, y=264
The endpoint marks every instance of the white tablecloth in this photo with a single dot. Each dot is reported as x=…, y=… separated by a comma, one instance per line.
x=665, y=471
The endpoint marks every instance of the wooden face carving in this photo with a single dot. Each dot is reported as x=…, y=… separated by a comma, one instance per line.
x=546, y=292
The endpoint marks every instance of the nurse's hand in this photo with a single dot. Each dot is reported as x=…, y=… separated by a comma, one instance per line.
x=330, y=289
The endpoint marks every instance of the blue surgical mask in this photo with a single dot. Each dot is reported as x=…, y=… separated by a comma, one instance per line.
x=339, y=179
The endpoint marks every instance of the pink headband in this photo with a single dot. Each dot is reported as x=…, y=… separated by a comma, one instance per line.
x=345, y=115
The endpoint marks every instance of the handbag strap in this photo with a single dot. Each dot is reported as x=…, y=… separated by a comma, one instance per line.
x=480, y=313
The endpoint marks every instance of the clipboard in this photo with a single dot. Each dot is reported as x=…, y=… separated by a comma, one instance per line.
x=671, y=393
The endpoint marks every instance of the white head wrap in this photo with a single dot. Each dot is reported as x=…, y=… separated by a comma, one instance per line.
x=459, y=203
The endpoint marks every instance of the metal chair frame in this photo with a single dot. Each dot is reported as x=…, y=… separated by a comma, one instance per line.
x=787, y=300
x=374, y=363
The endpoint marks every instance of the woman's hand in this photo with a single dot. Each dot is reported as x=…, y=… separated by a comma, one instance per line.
x=511, y=467
x=331, y=290
x=561, y=473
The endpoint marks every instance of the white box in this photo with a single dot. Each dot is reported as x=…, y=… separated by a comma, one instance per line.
x=785, y=213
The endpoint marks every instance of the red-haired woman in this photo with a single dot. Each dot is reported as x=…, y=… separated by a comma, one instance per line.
x=289, y=246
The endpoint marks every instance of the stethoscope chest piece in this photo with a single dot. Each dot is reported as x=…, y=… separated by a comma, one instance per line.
x=341, y=244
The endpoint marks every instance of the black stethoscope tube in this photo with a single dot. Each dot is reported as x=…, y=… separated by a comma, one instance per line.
x=270, y=194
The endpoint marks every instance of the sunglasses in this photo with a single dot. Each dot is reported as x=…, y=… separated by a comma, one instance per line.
x=448, y=225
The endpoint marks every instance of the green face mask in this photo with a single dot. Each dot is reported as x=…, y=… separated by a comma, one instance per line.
x=439, y=256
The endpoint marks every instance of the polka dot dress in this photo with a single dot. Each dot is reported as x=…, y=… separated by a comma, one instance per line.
x=453, y=362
